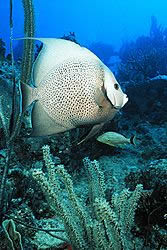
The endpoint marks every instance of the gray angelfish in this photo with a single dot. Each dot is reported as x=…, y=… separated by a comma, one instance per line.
x=72, y=87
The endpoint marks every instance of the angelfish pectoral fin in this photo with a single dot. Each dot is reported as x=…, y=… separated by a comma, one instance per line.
x=92, y=132
x=27, y=96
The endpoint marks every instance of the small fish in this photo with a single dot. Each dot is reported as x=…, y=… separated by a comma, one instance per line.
x=115, y=139
x=70, y=87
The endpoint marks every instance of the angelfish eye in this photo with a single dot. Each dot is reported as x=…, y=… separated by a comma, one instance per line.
x=116, y=86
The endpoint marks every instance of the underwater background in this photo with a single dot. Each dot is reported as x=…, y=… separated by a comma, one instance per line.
x=56, y=194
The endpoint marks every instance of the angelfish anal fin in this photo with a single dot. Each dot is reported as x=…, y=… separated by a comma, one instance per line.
x=96, y=128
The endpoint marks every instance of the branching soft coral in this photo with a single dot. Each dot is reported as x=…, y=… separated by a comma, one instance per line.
x=101, y=225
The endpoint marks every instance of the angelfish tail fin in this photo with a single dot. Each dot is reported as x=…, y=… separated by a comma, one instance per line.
x=27, y=95
x=133, y=140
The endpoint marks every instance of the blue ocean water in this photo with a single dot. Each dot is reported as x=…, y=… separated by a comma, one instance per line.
x=109, y=195
x=111, y=22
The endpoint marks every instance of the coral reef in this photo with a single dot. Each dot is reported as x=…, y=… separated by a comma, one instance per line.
x=119, y=198
x=151, y=212
x=146, y=57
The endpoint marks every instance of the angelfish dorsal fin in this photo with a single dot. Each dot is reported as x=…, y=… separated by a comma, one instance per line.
x=53, y=52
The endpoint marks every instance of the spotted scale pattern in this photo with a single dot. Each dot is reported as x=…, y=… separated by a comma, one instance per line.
x=68, y=92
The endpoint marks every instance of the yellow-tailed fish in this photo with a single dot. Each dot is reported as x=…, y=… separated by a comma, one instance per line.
x=115, y=139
